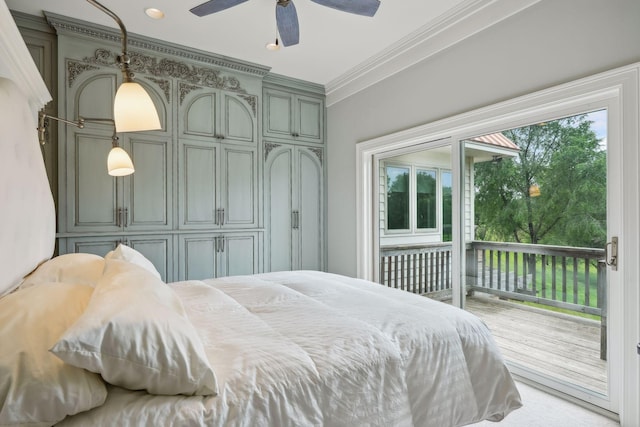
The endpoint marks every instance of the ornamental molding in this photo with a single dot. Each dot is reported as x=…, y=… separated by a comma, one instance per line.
x=268, y=147
x=252, y=100
x=184, y=89
x=165, y=67
x=317, y=152
x=165, y=85
x=74, y=69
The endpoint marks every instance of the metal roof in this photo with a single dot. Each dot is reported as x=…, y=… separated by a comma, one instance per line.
x=497, y=139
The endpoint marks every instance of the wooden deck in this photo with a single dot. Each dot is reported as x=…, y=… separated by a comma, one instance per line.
x=562, y=346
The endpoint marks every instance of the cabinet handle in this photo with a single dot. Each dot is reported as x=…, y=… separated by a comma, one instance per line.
x=219, y=243
x=222, y=216
x=119, y=213
x=295, y=134
x=126, y=217
x=295, y=219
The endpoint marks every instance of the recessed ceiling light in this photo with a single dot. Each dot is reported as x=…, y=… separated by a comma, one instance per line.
x=154, y=13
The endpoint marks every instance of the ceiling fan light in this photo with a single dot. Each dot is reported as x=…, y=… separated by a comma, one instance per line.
x=119, y=163
x=133, y=109
x=273, y=46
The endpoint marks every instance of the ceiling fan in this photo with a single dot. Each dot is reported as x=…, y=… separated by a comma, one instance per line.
x=286, y=15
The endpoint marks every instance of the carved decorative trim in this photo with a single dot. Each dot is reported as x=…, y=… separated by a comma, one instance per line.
x=64, y=24
x=317, y=152
x=184, y=89
x=74, y=69
x=267, y=149
x=168, y=68
x=165, y=85
x=252, y=100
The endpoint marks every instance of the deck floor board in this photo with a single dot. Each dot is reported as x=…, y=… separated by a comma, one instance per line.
x=558, y=345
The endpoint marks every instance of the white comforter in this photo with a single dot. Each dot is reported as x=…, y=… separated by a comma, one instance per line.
x=316, y=349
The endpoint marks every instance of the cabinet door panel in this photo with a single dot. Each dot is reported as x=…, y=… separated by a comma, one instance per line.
x=239, y=255
x=310, y=204
x=94, y=97
x=94, y=200
x=97, y=246
x=198, y=185
x=310, y=119
x=238, y=121
x=150, y=192
x=198, y=258
x=278, y=114
x=278, y=210
x=240, y=188
x=157, y=251
x=200, y=116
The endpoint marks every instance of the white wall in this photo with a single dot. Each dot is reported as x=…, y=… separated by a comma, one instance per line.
x=552, y=42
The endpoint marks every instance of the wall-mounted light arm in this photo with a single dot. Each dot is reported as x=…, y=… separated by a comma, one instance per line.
x=118, y=162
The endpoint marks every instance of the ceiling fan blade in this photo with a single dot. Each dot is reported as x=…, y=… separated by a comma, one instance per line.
x=358, y=7
x=213, y=6
x=287, y=20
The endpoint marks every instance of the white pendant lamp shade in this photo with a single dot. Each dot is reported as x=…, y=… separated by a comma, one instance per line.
x=133, y=109
x=119, y=163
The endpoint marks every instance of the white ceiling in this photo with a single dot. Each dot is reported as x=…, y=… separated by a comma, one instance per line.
x=333, y=44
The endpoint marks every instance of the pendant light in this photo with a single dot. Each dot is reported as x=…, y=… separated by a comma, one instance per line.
x=133, y=109
x=118, y=162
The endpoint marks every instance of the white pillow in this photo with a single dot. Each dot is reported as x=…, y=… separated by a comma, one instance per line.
x=84, y=269
x=136, y=334
x=37, y=388
x=127, y=253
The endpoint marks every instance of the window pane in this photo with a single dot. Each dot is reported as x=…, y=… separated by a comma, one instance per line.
x=446, y=207
x=397, y=198
x=426, y=202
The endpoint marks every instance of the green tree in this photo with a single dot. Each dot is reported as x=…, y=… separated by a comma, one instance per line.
x=565, y=160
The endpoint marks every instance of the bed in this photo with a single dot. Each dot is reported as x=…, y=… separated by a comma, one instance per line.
x=102, y=341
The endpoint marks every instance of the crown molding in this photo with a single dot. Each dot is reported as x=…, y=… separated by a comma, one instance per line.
x=469, y=18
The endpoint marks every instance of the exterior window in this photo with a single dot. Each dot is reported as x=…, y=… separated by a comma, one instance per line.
x=446, y=207
x=426, y=198
x=397, y=198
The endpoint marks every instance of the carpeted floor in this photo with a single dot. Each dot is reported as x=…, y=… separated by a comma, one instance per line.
x=544, y=410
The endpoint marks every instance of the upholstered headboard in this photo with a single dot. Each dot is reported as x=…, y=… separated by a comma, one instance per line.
x=27, y=213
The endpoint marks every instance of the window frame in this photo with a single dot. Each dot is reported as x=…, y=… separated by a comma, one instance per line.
x=413, y=229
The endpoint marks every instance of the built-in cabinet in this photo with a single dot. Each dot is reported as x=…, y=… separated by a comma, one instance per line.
x=218, y=151
x=232, y=183
x=294, y=176
x=293, y=116
x=209, y=255
x=294, y=194
x=157, y=248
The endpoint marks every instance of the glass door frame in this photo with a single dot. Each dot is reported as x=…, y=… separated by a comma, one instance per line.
x=617, y=91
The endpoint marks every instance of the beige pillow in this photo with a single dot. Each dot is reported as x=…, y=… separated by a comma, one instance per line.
x=136, y=334
x=84, y=269
x=126, y=253
x=37, y=388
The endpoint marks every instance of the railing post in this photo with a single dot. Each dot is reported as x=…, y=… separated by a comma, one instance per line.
x=602, y=304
